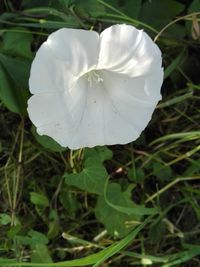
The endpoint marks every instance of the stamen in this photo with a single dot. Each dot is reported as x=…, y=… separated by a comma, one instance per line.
x=93, y=76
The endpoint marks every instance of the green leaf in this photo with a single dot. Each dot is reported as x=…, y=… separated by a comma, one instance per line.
x=127, y=7
x=68, y=201
x=89, y=8
x=162, y=172
x=91, y=179
x=4, y=219
x=13, y=231
x=13, y=97
x=14, y=74
x=164, y=11
x=54, y=228
x=17, y=43
x=138, y=210
x=32, y=239
x=157, y=232
x=37, y=238
x=133, y=10
x=40, y=254
x=47, y=142
x=18, y=69
x=39, y=199
x=194, y=6
x=113, y=219
x=100, y=153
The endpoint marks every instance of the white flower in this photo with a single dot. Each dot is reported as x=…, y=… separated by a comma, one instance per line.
x=90, y=89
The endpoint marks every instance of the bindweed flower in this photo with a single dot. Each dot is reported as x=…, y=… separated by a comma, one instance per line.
x=90, y=89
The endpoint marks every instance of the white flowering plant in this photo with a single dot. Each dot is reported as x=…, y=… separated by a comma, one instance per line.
x=92, y=89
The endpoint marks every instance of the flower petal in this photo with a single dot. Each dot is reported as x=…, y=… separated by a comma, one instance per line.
x=142, y=90
x=55, y=114
x=67, y=53
x=134, y=98
x=129, y=51
x=79, y=49
x=46, y=108
x=114, y=111
x=48, y=114
x=48, y=73
x=101, y=123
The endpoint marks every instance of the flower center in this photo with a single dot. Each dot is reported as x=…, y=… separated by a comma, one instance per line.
x=93, y=76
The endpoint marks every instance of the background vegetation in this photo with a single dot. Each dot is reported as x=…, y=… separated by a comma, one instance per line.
x=58, y=205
